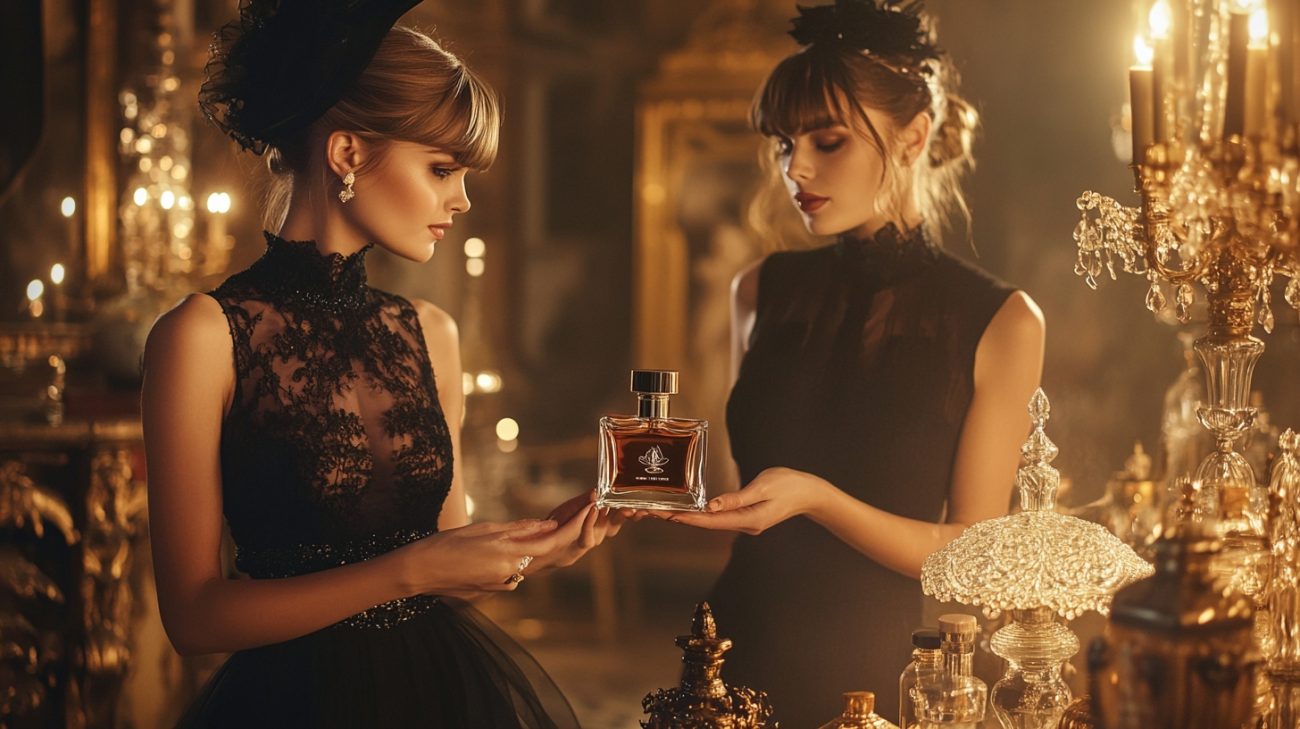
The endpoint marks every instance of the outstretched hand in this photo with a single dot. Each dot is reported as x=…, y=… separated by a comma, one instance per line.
x=583, y=527
x=773, y=496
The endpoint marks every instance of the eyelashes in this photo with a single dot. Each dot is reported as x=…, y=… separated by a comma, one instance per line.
x=443, y=173
x=785, y=147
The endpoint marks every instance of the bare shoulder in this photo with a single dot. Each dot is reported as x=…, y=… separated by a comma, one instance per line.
x=1014, y=339
x=744, y=287
x=195, y=325
x=1018, y=317
x=440, y=330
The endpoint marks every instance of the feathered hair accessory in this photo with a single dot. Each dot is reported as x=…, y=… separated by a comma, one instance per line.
x=284, y=63
x=894, y=32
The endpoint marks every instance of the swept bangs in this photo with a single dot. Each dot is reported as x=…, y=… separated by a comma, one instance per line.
x=466, y=121
x=805, y=92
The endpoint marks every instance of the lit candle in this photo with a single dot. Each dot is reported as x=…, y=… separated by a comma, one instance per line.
x=216, y=257
x=1141, y=101
x=1256, y=123
x=59, y=304
x=1162, y=69
x=68, y=209
x=35, y=302
x=1234, y=104
x=1280, y=15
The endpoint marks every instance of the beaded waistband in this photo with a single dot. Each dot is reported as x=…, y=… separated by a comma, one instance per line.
x=290, y=560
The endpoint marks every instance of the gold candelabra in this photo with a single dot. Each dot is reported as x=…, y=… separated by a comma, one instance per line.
x=1215, y=114
x=1215, y=119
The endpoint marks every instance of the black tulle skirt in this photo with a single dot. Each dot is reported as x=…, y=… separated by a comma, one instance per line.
x=446, y=667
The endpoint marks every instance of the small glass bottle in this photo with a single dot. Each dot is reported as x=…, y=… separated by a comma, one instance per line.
x=652, y=461
x=859, y=713
x=957, y=699
x=926, y=666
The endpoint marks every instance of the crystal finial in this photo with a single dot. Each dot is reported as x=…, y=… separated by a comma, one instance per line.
x=1040, y=409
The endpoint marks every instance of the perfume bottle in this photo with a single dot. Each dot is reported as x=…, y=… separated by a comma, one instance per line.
x=1178, y=650
x=926, y=665
x=956, y=698
x=652, y=461
x=859, y=713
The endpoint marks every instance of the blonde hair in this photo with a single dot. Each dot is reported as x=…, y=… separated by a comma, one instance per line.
x=413, y=90
x=823, y=85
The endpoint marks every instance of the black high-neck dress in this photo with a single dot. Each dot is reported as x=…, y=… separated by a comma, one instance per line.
x=335, y=450
x=860, y=371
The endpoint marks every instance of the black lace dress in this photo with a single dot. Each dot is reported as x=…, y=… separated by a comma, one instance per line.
x=859, y=370
x=335, y=450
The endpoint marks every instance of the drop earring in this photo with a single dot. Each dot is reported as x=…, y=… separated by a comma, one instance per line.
x=347, y=193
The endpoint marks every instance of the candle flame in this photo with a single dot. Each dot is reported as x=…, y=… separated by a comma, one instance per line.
x=1160, y=20
x=1143, y=51
x=68, y=207
x=219, y=203
x=35, y=289
x=507, y=429
x=56, y=273
x=1259, y=27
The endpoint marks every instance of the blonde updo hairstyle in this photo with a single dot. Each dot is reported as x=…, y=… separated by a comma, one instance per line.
x=821, y=85
x=412, y=90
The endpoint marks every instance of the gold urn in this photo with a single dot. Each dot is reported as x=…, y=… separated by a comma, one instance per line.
x=703, y=701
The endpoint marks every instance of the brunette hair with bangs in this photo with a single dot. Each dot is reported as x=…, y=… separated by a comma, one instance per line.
x=413, y=90
x=823, y=85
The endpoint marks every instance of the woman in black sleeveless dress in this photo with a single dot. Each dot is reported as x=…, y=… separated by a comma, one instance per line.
x=321, y=416
x=881, y=389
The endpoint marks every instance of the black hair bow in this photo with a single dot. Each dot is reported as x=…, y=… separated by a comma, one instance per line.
x=284, y=63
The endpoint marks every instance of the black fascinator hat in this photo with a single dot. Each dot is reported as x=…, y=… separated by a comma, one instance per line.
x=888, y=29
x=284, y=63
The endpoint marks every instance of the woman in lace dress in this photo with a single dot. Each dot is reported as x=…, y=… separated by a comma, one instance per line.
x=880, y=382
x=321, y=417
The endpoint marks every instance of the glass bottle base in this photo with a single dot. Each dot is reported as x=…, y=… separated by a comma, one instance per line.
x=650, y=499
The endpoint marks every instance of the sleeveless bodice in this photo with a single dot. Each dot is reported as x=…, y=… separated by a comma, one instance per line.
x=859, y=369
x=335, y=447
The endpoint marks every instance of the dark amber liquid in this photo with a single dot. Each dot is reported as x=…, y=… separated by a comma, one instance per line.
x=654, y=462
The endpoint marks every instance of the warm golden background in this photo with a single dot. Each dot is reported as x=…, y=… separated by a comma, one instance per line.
x=611, y=224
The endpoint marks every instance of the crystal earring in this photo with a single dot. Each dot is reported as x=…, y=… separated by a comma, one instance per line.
x=347, y=193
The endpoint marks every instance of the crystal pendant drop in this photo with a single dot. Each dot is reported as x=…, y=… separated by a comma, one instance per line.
x=1266, y=317
x=1292, y=293
x=1183, y=305
x=1155, y=299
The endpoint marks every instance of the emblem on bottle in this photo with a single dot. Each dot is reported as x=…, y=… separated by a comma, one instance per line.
x=653, y=460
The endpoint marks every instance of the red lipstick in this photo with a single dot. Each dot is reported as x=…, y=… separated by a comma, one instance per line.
x=808, y=202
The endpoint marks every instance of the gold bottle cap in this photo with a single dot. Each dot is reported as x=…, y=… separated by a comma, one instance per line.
x=958, y=624
x=859, y=704
x=654, y=382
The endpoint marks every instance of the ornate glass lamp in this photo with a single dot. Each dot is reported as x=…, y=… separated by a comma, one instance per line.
x=1038, y=564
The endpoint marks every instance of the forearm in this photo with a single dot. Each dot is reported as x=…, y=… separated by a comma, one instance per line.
x=899, y=543
x=225, y=615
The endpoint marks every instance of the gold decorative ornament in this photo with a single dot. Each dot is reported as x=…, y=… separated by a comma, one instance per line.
x=703, y=701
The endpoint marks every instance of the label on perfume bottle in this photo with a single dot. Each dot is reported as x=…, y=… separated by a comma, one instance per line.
x=652, y=461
